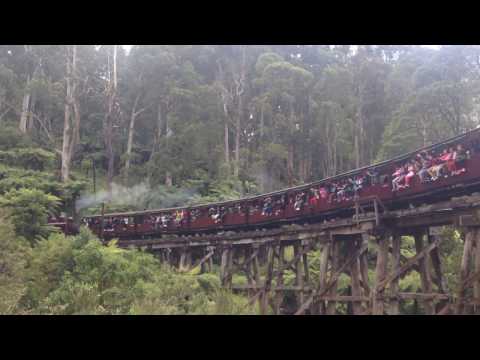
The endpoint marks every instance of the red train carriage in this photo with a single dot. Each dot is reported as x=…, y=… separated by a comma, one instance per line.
x=311, y=202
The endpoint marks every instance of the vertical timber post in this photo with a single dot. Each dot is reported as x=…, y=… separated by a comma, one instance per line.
x=394, y=301
x=268, y=280
x=224, y=267
x=248, y=270
x=378, y=306
x=441, y=281
x=364, y=266
x=210, y=260
x=465, y=268
x=332, y=305
x=424, y=273
x=256, y=271
x=355, y=276
x=279, y=284
x=306, y=273
x=231, y=254
x=167, y=256
x=322, y=276
x=297, y=248
x=183, y=260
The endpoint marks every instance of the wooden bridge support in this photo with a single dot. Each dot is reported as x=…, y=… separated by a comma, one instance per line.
x=394, y=287
x=338, y=254
x=341, y=253
x=355, y=276
x=322, y=275
x=424, y=270
x=468, y=294
x=420, y=262
x=378, y=304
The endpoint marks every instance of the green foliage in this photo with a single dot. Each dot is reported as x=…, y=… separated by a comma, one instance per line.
x=28, y=158
x=12, y=178
x=10, y=138
x=29, y=211
x=13, y=252
x=79, y=275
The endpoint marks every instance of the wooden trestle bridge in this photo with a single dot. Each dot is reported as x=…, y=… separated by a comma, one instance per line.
x=345, y=246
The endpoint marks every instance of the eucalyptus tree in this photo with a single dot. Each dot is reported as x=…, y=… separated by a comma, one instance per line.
x=286, y=86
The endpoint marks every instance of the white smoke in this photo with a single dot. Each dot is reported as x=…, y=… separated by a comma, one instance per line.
x=140, y=197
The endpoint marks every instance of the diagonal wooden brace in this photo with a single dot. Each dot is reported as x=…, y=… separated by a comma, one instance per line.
x=317, y=293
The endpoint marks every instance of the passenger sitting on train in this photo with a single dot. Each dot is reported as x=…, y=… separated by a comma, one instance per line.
x=157, y=222
x=125, y=223
x=438, y=163
x=349, y=189
x=314, y=197
x=239, y=208
x=195, y=213
x=165, y=219
x=425, y=163
x=222, y=213
x=372, y=177
x=215, y=215
x=398, y=178
x=267, y=207
x=332, y=192
x=341, y=191
x=358, y=184
x=410, y=173
x=323, y=192
x=446, y=158
x=178, y=217
x=298, y=202
x=449, y=159
x=459, y=158
x=282, y=201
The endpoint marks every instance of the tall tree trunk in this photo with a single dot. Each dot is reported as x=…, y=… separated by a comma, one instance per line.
x=361, y=138
x=108, y=133
x=238, y=129
x=109, y=148
x=290, y=156
x=262, y=120
x=158, y=133
x=68, y=132
x=65, y=171
x=334, y=155
x=226, y=143
x=26, y=99
x=240, y=89
x=31, y=107
x=131, y=131
x=356, y=145
x=108, y=128
x=76, y=126
x=168, y=174
x=115, y=67
x=25, y=108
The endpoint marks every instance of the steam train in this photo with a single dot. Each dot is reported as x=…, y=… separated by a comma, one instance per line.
x=314, y=202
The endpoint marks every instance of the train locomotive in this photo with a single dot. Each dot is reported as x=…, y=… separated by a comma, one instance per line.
x=454, y=165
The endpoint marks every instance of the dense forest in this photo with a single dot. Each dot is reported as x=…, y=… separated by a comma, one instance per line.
x=171, y=125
